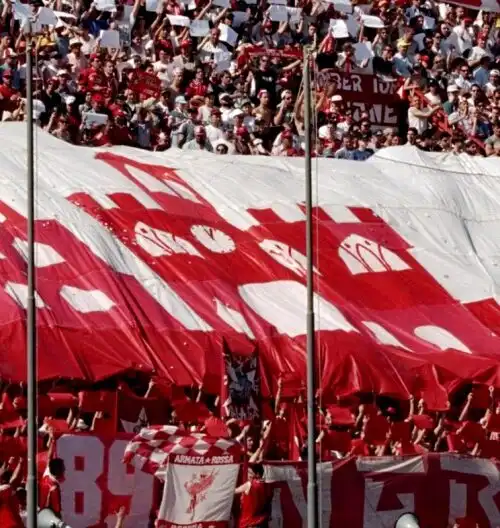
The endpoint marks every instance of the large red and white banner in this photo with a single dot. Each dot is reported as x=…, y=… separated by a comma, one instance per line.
x=360, y=493
x=163, y=263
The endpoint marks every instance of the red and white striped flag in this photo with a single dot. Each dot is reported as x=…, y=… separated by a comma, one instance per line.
x=156, y=446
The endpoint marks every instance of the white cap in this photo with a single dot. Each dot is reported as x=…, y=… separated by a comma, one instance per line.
x=180, y=99
x=69, y=99
x=336, y=98
x=236, y=113
x=75, y=41
x=495, y=72
x=452, y=88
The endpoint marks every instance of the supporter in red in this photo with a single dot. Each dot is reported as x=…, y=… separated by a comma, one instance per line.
x=50, y=487
x=94, y=76
x=9, y=505
x=198, y=86
x=8, y=94
x=255, y=499
x=119, y=132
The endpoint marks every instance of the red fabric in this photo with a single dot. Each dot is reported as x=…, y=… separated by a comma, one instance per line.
x=59, y=426
x=133, y=409
x=493, y=423
x=12, y=447
x=279, y=438
x=139, y=333
x=359, y=448
x=255, y=505
x=472, y=432
x=490, y=449
x=455, y=443
x=297, y=432
x=50, y=494
x=401, y=431
x=216, y=427
x=376, y=429
x=9, y=509
x=481, y=398
x=423, y=421
x=63, y=400
x=95, y=401
x=191, y=412
x=340, y=415
x=337, y=441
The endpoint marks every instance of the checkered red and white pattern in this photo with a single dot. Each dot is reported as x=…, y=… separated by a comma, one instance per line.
x=149, y=451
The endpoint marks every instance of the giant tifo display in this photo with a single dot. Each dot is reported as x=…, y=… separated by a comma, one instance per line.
x=171, y=292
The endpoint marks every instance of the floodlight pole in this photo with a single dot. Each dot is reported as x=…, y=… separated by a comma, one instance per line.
x=31, y=356
x=312, y=486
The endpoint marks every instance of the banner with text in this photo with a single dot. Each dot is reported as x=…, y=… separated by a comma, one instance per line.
x=197, y=495
x=361, y=493
x=365, y=93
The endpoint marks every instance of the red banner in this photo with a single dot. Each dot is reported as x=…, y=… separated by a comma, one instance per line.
x=146, y=85
x=360, y=493
x=365, y=93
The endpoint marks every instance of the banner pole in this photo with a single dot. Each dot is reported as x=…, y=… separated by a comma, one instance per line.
x=31, y=356
x=312, y=487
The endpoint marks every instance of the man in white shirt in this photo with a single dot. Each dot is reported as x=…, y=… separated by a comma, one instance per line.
x=493, y=83
x=162, y=63
x=211, y=46
x=478, y=52
x=214, y=130
x=76, y=59
x=462, y=81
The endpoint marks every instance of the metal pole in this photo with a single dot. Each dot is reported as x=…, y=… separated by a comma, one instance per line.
x=31, y=358
x=312, y=486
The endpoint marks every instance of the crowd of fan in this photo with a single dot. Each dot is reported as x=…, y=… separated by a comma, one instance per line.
x=357, y=425
x=226, y=75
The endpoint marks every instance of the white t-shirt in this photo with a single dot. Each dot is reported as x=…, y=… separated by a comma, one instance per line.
x=419, y=123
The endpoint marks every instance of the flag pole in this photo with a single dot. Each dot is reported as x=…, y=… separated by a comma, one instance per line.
x=31, y=356
x=312, y=486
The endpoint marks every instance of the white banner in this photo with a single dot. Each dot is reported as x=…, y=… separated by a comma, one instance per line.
x=198, y=494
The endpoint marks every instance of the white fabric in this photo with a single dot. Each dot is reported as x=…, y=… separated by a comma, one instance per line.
x=198, y=494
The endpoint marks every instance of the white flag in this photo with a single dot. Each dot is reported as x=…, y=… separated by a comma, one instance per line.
x=198, y=493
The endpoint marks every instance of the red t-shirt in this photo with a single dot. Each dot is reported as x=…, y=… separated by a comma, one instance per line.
x=94, y=78
x=255, y=505
x=50, y=494
x=196, y=88
x=7, y=92
x=9, y=509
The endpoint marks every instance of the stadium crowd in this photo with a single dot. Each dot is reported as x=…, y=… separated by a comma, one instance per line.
x=268, y=429
x=226, y=75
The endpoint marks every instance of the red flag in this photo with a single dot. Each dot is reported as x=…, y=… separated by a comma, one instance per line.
x=135, y=412
x=297, y=430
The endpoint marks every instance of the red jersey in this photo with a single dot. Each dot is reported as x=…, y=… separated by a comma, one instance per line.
x=9, y=509
x=50, y=494
x=94, y=78
x=255, y=505
x=196, y=88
